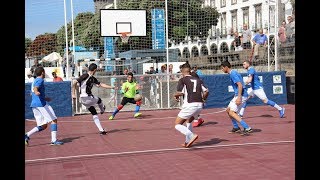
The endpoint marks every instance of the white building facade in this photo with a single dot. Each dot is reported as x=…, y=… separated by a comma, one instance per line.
x=233, y=14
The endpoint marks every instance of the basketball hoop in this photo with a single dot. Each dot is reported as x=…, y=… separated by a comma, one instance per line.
x=125, y=37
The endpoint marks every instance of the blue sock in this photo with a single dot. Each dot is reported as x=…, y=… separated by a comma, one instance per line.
x=244, y=124
x=271, y=103
x=234, y=123
x=244, y=105
x=54, y=127
x=137, y=109
x=115, y=112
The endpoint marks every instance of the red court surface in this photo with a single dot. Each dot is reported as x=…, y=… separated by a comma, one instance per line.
x=149, y=148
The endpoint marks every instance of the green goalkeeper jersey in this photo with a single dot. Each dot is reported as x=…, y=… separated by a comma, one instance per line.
x=131, y=92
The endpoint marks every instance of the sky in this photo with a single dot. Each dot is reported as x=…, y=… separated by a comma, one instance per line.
x=43, y=16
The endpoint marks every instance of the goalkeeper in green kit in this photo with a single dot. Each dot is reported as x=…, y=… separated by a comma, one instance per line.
x=129, y=90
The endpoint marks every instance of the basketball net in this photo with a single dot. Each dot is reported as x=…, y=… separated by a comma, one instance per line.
x=125, y=37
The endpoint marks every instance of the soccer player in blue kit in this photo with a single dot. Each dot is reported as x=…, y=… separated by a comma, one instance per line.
x=240, y=96
x=42, y=111
x=256, y=88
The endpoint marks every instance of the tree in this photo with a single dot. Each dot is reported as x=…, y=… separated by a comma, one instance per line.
x=81, y=23
x=42, y=45
x=185, y=18
x=27, y=42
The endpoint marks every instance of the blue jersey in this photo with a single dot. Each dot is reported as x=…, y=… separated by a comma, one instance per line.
x=255, y=83
x=38, y=101
x=234, y=78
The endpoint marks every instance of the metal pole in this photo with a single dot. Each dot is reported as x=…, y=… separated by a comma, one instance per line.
x=268, y=35
x=73, y=49
x=66, y=33
x=167, y=52
x=276, y=35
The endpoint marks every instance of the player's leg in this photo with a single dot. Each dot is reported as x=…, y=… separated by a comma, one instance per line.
x=232, y=110
x=49, y=116
x=124, y=101
x=137, y=109
x=41, y=125
x=101, y=106
x=262, y=95
x=184, y=114
x=250, y=95
x=96, y=120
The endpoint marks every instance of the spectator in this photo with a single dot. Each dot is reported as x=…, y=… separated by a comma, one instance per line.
x=259, y=40
x=246, y=37
x=237, y=42
x=196, y=70
x=30, y=77
x=56, y=78
x=282, y=32
x=290, y=29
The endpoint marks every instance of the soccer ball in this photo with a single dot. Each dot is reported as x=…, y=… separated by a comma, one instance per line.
x=137, y=97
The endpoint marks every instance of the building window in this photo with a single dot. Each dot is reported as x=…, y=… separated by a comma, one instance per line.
x=244, y=0
x=246, y=16
x=233, y=2
x=234, y=27
x=258, y=17
x=223, y=24
x=223, y=3
x=212, y=3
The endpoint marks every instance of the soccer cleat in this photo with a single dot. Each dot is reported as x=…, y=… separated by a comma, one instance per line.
x=104, y=108
x=103, y=132
x=198, y=123
x=26, y=140
x=184, y=144
x=111, y=117
x=194, y=138
x=137, y=115
x=235, y=130
x=56, y=143
x=246, y=131
x=281, y=112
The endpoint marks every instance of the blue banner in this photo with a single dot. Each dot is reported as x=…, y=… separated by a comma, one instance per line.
x=158, y=29
x=108, y=52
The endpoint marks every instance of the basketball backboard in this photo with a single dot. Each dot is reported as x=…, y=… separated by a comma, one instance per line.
x=113, y=22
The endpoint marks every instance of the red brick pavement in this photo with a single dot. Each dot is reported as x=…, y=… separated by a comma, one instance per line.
x=149, y=148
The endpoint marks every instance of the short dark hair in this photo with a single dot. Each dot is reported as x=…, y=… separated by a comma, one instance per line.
x=92, y=67
x=38, y=71
x=53, y=73
x=225, y=63
x=130, y=74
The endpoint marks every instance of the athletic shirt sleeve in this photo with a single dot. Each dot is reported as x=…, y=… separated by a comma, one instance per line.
x=82, y=77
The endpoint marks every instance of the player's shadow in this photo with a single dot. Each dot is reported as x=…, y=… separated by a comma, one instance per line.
x=210, y=142
x=118, y=130
x=263, y=115
x=209, y=123
x=256, y=130
x=70, y=139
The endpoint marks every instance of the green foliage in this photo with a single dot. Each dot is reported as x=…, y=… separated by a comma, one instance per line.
x=27, y=42
x=42, y=45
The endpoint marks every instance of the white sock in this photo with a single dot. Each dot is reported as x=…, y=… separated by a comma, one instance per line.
x=189, y=126
x=241, y=111
x=278, y=107
x=184, y=130
x=33, y=130
x=53, y=136
x=97, y=122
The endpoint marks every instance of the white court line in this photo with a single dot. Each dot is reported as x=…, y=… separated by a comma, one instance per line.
x=30, y=161
x=146, y=119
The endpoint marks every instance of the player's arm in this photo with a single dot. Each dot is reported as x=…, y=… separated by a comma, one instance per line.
x=240, y=89
x=179, y=89
x=124, y=88
x=107, y=86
